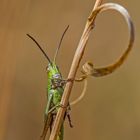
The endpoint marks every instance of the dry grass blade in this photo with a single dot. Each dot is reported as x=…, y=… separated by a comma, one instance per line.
x=97, y=72
x=88, y=68
x=77, y=100
x=75, y=64
x=78, y=56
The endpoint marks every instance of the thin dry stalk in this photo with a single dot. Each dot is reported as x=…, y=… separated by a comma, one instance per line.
x=75, y=64
x=80, y=51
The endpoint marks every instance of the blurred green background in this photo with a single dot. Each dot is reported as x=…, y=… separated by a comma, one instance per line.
x=110, y=109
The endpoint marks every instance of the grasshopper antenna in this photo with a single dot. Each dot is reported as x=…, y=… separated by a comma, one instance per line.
x=40, y=48
x=60, y=43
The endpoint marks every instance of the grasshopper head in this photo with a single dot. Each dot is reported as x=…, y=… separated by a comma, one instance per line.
x=53, y=71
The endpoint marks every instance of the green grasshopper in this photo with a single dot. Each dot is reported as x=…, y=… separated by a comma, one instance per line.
x=54, y=91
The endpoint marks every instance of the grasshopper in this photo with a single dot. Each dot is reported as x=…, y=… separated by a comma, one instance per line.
x=54, y=91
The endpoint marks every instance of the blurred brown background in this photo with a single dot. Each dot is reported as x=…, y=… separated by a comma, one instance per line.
x=110, y=109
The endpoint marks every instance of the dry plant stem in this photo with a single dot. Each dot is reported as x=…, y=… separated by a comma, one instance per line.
x=102, y=71
x=75, y=64
x=77, y=100
x=88, y=67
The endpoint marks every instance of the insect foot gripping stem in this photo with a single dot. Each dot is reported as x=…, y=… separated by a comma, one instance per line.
x=66, y=114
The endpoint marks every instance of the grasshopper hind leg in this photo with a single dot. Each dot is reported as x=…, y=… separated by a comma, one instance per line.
x=47, y=124
x=67, y=114
x=48, y=119
x=69, y=119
